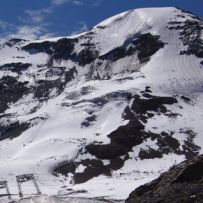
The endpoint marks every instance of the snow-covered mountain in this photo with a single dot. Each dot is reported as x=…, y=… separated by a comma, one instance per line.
x=103, y=112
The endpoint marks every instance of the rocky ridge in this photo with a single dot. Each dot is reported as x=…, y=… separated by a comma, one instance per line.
x=182, y=183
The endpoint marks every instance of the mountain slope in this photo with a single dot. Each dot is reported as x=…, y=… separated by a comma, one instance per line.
x=182, y=183
x=119, y=103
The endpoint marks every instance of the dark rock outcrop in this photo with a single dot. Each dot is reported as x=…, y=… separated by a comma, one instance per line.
x=60, y=49
x=122, y=140
x=15, y=67
x=144, y=45
x=63, y=49
x=44, y=87
x=13, y=130
x=14, y=41
x=190, y=34
x=92, y=168
x=133, y=133
x=11, y=91
x=85, y=56
x=182, y=183
x=154, y=103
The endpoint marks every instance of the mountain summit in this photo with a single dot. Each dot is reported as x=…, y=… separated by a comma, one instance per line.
x=105, y=111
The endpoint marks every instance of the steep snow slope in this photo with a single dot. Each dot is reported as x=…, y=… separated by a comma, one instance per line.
x=104, y=111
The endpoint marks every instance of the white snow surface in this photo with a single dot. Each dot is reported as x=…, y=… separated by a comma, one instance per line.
x=59, y=136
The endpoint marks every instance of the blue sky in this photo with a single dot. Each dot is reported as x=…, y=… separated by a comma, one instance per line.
x=34, y=19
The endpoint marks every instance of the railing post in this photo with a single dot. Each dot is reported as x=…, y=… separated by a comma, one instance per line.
x=7, y=189
x=19, y=187
x=36, y=186
x=4, y=185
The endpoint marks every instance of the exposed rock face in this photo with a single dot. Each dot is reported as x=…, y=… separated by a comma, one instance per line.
x=15, y=67
x=190, y=35
x=182, y=183
x=145, y=45
x=11, y=91
x=93, y=169
x=124, y=138
x=61, y=49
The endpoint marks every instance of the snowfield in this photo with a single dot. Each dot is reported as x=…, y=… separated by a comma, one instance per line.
x=68, y=112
